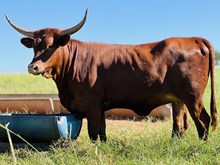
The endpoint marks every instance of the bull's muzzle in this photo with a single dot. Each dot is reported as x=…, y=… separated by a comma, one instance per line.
x=34, y=69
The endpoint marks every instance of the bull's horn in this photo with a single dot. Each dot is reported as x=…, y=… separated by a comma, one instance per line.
x=28, y=33
x=75, y=28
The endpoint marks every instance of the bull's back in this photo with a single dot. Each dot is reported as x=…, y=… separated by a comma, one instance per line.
x=148, y=71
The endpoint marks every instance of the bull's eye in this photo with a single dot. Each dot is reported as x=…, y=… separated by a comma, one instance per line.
x=51, y=46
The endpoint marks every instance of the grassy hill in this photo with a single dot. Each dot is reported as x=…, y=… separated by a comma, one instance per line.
x=25, y=84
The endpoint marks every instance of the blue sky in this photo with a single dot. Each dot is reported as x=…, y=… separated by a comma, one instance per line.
x=115, y=21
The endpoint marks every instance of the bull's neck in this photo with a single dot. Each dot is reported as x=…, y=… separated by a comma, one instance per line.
x=67, y=55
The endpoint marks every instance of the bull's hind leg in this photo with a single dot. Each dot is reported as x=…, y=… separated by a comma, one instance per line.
x=180, y=119
x=200, y=118
x=186, y=118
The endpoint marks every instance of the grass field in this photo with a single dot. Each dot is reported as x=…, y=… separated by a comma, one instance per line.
x=129, y=142
x=25, y=83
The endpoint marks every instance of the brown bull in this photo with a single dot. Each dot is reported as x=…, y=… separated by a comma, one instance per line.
x=94, y=77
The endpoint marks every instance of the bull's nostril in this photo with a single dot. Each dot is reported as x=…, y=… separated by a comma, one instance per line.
x=35, y=68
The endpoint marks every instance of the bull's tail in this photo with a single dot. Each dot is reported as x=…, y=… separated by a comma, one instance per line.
x=213, y=109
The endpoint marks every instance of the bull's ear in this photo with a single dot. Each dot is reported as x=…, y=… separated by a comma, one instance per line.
x=64, y=40
x=28, y=42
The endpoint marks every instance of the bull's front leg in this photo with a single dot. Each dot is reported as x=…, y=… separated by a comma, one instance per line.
x=93, y=121
x=102, y=129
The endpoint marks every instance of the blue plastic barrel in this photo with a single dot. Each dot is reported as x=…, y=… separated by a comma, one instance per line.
x=40, y=127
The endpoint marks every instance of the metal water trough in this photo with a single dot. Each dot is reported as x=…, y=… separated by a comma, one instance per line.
x=40, y=127
x=31, y=103
x=37, y=118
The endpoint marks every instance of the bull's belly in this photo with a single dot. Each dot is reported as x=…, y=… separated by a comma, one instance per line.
x=141, y=106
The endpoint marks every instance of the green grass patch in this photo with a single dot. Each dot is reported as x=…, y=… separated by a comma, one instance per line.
x=134, y=143
x=25, y=84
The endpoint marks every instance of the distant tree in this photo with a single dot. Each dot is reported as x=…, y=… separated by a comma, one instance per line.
x=217, y=58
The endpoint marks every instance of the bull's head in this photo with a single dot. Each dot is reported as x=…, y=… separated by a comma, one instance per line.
x=45, y=44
